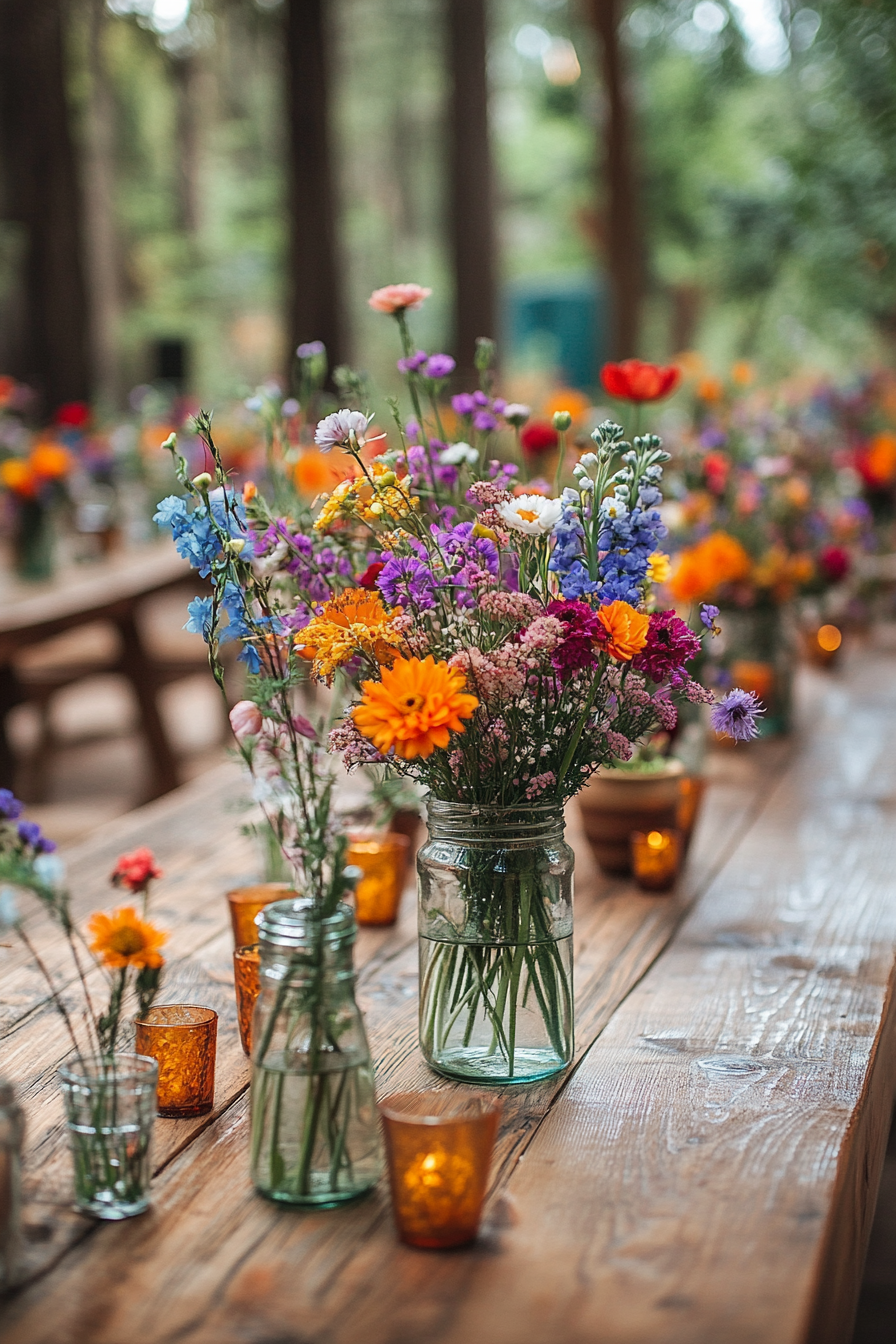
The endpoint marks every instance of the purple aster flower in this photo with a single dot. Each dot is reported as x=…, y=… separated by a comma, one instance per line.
x=708, y=615
x=439, y=366
x=407, y=582
x=412, y=429
x=411, y=363
x=499, y=405
x=484, y=421
x=336, y=430
x=480, y=398
x=736, y=714
x=29, y=832
x=9, y=805
x=463, y=404
x=310, y=349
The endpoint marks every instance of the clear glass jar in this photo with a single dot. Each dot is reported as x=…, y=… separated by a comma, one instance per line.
x=495, y=926
x=110, y=1106
x=315, y=1132
x=12, y=1134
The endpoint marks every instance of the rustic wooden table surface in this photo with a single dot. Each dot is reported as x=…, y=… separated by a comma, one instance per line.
x=704, y=1174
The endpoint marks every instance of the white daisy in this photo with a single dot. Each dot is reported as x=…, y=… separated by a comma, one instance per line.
x=533, y=514
x=456, y=453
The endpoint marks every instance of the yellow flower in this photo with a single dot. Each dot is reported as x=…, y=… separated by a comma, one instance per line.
x=123, y=939
x=354, y=622
x=383, y=498
x=414, y=708
x=658, y=567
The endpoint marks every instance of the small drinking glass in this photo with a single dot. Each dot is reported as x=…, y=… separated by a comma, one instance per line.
x=383, y=861
x=110, y=1107
x=246, y=963
x=439, y=1148
x=247, y=902
x=182, y=1038
x=656, y=856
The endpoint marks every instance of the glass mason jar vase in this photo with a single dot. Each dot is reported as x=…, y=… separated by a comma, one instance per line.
x=495, y=927
x=110, y=1107
x=315, y=1134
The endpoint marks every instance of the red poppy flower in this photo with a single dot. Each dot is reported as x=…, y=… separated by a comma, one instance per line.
x=371, y=574
x=73, y=415
x=634, y=380
x=538, y=437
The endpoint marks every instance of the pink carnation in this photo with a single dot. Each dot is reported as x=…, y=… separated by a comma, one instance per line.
x=396, y=298
x=245, y=720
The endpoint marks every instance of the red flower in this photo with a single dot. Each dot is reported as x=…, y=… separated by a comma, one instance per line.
x=715, y=469
x=834, y=563
x=538, y=437
x=371, y=574
x=135, y=871
x=633, y=380
x=72, y=415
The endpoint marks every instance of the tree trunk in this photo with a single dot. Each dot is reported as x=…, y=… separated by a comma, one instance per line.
x=623, y=244
x=185, y=70
x=99, y=213
x=316, y=309
x=42, y=194
x=471, y=210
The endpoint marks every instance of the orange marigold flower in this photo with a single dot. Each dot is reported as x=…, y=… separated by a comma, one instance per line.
x=626, y=630
x=123, y=939
x=702, y=569
x=50, y=461
x=354, y=622
x=250, y=490
x=415, y=707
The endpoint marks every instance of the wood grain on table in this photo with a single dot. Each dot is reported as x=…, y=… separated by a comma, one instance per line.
x=704, y=1172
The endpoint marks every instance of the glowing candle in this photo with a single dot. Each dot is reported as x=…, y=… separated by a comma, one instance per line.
x=383, y=861
x=439, y=1147
x=655, y=859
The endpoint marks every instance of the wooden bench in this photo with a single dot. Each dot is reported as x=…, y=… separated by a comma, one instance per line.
x=706, y=1172
x=94, y=615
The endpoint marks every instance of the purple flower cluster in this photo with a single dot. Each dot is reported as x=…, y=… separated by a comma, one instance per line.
x=482, y=410
x=316, y=570
x=28, y=833
x=408, y=582
x=432, y=367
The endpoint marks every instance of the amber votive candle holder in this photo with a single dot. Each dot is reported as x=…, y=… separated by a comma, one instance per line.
x=183, y=1039
x=247, y=902
x=693, y=787
x=246, y=969
x=656, y=857
x=383, y=860
x=439, y=1148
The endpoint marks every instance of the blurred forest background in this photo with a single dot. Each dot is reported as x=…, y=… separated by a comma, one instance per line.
x=736, y=184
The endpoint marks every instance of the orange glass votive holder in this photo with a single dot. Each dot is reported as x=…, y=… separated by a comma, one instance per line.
x=656, y=857
x=692, y=787
x=246, y=965
x=183, y=1039
x=247, y=902
x=383, y=860
x=439, y=1148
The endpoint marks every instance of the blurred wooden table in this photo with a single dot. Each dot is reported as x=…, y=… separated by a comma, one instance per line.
x=109, y=591
x=705, y=1173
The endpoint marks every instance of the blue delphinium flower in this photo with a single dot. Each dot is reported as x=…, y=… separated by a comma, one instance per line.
x=199, y=614
x=736, y=715
x=9, y=805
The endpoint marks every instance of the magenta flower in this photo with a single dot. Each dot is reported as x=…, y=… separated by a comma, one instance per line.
x=577, y=649
x=439, y=366
x=463, y=404
x=411, y=363
x=670, y=644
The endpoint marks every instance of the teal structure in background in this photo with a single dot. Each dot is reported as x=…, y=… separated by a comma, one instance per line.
x=558, y=322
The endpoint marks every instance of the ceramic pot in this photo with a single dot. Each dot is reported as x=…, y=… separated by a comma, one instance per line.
x=614, y=803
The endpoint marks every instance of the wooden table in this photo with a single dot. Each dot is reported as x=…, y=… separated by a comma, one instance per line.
x=705, y=1174
x=110, y=591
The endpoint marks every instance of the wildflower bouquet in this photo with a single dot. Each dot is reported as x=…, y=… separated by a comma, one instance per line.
x=110, y=1097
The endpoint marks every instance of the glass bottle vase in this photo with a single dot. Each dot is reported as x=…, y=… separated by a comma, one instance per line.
x=110, y=1108
x=495, y=937
x=315, y=1134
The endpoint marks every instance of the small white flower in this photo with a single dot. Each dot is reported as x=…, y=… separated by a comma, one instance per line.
x=339, y=429
x=516, y=413
x=533, y=514
x=456, y=453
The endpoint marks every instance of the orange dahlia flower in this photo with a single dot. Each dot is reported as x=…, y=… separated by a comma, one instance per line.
x=123, y=939
x=415, y=707
x=354, y=622
x=626, y=630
